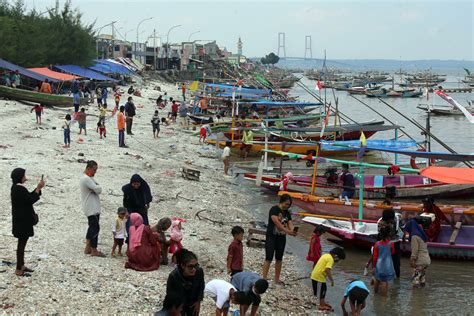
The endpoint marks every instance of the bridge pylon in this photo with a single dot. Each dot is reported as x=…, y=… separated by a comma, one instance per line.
x=308, y=50
x=281, y=44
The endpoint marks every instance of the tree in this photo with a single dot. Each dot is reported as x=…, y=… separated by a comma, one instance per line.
x=270, y=59
x=31, y=40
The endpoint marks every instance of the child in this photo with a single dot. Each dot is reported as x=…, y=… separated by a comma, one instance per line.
x=174, y=111
x=202, y=134
x=155, y=122
x=176, y=235
x=101, y=127
x=226, y=157
x=38, y=111
x=235, y=252
x=119, y=231
x=322, y=271
x=357, y=292
x=102, y=115
x=314, y=252
x=81, y=120
x=420, y=258
x=98, y=93
x=121, y=126
x=383, y=263
x=117, y=95
x=67, y=131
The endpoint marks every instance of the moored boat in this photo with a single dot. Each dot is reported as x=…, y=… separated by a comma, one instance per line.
x=38, y=97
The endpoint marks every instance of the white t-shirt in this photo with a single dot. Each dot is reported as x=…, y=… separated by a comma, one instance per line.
x=121, y=232
x=226, y=152
x=219, y=291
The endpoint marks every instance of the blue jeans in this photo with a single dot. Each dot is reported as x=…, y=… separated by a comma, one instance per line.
x=67, y=136
x=121, y=138
x=348, y=194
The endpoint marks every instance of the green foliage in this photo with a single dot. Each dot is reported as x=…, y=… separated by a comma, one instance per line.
x=270, y=59
x=32, y=39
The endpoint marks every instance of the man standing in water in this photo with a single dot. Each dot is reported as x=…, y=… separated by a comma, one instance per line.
x=347, y=183
x=90, y=204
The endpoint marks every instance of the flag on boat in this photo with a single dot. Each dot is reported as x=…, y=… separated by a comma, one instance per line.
x=363, y=146
x=455, y=104
x=194, y=85
x=318, y=85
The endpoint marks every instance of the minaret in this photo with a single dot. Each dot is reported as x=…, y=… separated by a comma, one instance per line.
x=239, y=47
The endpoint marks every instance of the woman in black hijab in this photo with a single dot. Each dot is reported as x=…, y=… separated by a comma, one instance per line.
x=137, y=197
x=23, y=215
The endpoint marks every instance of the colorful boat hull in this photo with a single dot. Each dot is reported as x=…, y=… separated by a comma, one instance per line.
x=37, y=97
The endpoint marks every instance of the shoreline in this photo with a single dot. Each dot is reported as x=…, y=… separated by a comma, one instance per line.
x=65, y=279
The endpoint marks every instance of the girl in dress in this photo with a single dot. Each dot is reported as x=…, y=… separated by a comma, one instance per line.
x=383, y=263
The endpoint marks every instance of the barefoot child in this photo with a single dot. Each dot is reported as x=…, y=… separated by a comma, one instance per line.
x=101, y=127
x=322, y=271
x=119, y=231
x=226, y=157
x=235, y=252
x=155, y=122
x=67, y=131
x=383, y=263
x=357, y=292
x=38, y=111
x=314, y=252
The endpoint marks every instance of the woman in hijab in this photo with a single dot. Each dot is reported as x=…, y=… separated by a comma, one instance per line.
x=137, y=197
x=143, y=248
x=23, y=215
x=420, y=258
x=163, y=225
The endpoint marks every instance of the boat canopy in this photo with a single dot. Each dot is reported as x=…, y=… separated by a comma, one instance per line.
x=25, y=72
x=83, y=72
x=240, y=90
x=112, y=67
x=54, y=74
x=371, y=143
x=449, y=175
x=423, y=154
x=281, y=103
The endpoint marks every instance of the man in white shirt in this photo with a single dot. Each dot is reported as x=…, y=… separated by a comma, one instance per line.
x=90, y=204
x=226, y=157
x=223, y=293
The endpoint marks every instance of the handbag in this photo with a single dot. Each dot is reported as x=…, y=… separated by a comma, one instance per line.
x=35, y=219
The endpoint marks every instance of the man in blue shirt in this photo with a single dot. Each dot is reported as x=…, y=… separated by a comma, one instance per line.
x=254, y=286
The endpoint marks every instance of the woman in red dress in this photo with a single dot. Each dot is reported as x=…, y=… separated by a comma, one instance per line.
x=143, y=249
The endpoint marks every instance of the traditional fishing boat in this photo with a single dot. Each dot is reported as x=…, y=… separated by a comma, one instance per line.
x=443, y=109
x=38, y=97
x=452, y=243
x=407, y=186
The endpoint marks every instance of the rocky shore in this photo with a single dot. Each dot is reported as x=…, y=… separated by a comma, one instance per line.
x=67, y=281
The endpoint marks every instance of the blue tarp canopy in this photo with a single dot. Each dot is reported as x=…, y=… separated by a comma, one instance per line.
x=25, y=72
x=239, y=90
x=113, y=67
x=372, y=143
x=281, y=103
x=101, y=68
x=83, y=72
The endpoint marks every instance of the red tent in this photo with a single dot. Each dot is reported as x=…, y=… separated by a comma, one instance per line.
x=54, y=74
x=449, y=175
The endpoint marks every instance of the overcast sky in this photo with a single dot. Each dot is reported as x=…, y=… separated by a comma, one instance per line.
x=379, y=29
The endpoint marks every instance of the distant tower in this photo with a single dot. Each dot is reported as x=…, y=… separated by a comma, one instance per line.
x=308, y=47
x=281, y=44
x=239, y=47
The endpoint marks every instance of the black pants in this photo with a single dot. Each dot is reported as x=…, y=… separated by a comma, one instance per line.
x=129, y=123
x=322, y=292
x=396, y=258
x=20, y=253
x=274, y=245
x=93, y=230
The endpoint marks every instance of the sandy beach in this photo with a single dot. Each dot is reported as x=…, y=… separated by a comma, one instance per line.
x=67, y=281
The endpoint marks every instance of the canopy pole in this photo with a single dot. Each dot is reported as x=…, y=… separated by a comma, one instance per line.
x=266, y=146
x=313, y=181
x=396, y=138
x=361, y=192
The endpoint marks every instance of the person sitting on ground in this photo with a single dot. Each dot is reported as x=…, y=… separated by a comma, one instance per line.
x=235, y=252
x=187, y=281
x=254, y=286
x=224, y=293
x=131, y=90
x=163, y=225
x=357, y=292
x=143, y=248
x=172, y=306
x=322, y=271
x=46, y=87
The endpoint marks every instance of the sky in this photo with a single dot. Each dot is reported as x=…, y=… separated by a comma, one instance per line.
x=351, y=29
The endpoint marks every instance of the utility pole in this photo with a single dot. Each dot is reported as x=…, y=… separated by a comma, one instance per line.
x=154, y=49
x=113, y=39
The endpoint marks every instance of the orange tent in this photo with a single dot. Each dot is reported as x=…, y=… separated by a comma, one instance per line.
x=449, y=175
x=54, y=74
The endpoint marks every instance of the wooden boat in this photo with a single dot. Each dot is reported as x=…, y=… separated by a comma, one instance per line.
x=38, y=97
x=321, y=205
x=352, y=232
x=443, y=109
x=408, y=186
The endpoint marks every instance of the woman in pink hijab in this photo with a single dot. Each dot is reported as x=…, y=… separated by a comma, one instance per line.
x=143, y=249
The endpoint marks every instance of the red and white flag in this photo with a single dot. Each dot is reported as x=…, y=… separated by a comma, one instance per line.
x=318, y=85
